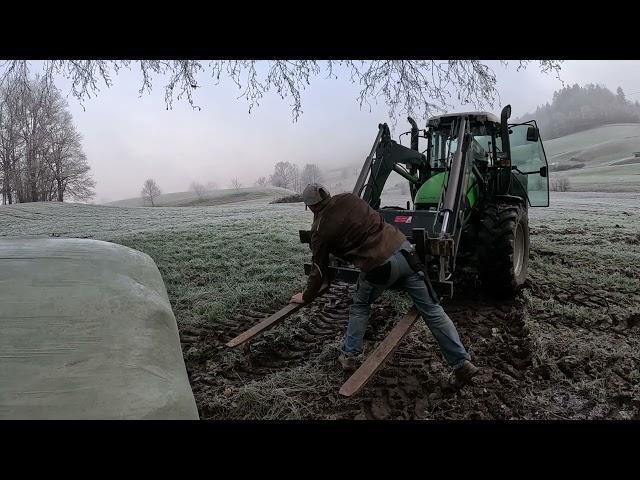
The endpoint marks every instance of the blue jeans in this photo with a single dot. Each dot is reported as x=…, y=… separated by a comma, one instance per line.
x=433, y=314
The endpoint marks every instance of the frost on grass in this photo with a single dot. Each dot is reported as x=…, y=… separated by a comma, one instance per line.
x=284, y=395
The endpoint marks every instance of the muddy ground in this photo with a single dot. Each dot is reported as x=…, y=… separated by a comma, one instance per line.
x=566, y=348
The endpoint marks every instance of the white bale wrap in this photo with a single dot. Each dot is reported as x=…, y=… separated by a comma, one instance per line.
x=87, y=332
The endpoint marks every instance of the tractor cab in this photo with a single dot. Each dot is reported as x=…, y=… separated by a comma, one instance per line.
x=485, y=129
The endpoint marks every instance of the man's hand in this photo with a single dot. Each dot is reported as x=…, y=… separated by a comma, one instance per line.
x=297, y=298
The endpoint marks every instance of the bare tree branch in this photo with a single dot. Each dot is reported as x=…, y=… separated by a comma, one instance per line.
x=409, y=87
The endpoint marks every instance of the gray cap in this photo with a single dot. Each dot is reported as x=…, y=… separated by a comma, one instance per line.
x=311, y=194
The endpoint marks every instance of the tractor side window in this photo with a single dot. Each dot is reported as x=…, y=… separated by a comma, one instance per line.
x=529, y=156
x=442, y=148
x=484, y=141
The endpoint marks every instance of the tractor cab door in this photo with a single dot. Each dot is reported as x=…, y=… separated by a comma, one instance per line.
x=527, y=154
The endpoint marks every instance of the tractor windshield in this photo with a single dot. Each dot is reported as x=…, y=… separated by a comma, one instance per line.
x=443, y=146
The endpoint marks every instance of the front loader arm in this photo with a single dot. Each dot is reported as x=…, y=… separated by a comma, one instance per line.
x=389, y=155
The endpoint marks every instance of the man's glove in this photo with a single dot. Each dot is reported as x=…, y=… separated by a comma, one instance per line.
x=297, y=298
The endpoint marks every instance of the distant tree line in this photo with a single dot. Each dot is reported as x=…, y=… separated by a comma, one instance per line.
x=290, y=176
x=574, y=109
x=560, y=184
x=198, y=189
x=41, y=156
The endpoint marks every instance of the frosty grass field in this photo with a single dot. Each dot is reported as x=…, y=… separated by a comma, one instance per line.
x=567, y=347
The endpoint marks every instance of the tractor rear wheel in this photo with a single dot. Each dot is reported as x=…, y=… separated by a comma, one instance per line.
x=503, y=248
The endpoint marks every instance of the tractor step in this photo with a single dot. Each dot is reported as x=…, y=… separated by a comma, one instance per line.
x=269, y=322
x=384, y=350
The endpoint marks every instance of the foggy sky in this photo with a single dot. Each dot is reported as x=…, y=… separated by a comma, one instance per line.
x=128, y=138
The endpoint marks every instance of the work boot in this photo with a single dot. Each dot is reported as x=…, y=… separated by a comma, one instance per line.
x=462, y=376
x=350, y=363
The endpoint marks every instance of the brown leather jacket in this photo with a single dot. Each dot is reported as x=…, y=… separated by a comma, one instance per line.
x=350, y=229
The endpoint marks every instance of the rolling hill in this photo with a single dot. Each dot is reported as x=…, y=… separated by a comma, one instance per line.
x=607, y=156
x=208, y=198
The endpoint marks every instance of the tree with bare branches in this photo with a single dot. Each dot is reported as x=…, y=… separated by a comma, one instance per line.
x=66, y=160
x=560, y=184
x=408, y=87
x=235, y=183
x=285, y=175
x=41, y=155
x=198, y=189
x=10, y=148
x=296, y=179
x=311, y=174
x=150, y=191
x=261, y=182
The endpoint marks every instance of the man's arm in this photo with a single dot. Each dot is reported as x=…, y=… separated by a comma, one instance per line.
x=319, y=267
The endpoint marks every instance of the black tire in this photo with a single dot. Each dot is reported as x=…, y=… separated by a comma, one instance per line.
x=503, y=248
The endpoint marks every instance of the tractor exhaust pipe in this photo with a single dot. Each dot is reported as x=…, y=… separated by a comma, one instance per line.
x=414, y=133
x=504, y=130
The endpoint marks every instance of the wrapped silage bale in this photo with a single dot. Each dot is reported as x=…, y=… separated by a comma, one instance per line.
x=87, y=332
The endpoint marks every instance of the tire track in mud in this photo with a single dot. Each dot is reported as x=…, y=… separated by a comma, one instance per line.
x=297, y=340
x=517, y=379
x=304, y=334
x=412, y=384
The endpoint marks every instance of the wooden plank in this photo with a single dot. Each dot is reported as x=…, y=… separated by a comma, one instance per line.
x=269, y=321
x=373, y=363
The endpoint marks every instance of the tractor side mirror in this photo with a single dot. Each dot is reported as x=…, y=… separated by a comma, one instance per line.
x=543, y=171
x=533, y=134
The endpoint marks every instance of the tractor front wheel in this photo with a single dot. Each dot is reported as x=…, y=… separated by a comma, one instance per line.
x=503, y=248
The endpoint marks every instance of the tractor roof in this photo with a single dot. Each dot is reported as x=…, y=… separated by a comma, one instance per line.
x=473, y=116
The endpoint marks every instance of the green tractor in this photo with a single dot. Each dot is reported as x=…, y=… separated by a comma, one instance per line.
x=470, y=193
